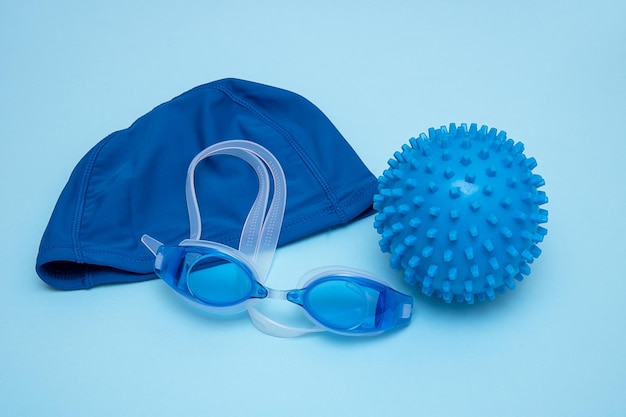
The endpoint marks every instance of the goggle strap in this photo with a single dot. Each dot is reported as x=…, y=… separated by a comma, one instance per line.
x=261, y=229
x=267, y=238
x=270, y=327
x=260, y=204
x=151, y=243
x=253, y=226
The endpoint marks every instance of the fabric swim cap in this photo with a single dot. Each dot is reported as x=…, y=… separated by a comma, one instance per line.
x=133, y=182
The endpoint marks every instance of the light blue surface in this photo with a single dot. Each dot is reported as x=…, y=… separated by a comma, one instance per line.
x=552, y=74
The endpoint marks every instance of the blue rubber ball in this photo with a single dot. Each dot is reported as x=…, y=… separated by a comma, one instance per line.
x=459, y=212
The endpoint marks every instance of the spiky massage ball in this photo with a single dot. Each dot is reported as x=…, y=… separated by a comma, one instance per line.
x=459, y=211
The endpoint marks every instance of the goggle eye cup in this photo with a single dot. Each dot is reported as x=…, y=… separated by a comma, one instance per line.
x=353, y=305
x=208, y=277
x=220, y=282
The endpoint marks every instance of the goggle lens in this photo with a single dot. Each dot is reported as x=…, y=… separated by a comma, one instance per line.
x=341, y=304
x=219, y=282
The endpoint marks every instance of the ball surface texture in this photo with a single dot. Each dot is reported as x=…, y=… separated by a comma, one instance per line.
x=459, y=212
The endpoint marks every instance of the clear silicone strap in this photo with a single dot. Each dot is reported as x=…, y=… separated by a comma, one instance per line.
x=195, y=222
x=261, y=229
x=273, y=328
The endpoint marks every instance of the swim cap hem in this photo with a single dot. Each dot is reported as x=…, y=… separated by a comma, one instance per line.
x=58, y=267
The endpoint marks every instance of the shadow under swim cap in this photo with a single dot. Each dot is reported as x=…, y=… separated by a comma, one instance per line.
x=133, y=182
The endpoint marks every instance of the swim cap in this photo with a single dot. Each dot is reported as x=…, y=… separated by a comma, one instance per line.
x=133, y=182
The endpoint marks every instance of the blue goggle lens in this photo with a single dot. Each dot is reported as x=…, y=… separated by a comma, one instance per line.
x=219, y=282
x=341, y=304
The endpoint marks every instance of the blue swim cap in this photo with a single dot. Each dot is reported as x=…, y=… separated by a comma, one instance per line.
x=133, y=182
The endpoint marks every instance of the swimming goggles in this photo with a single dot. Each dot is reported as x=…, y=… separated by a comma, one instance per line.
x=226, y=281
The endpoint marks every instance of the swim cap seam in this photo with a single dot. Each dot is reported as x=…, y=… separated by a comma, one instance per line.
x=356, y=196
x=294, y=144
x=80, y=208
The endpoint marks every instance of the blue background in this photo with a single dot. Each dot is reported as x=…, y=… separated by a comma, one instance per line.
x=552, y=74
